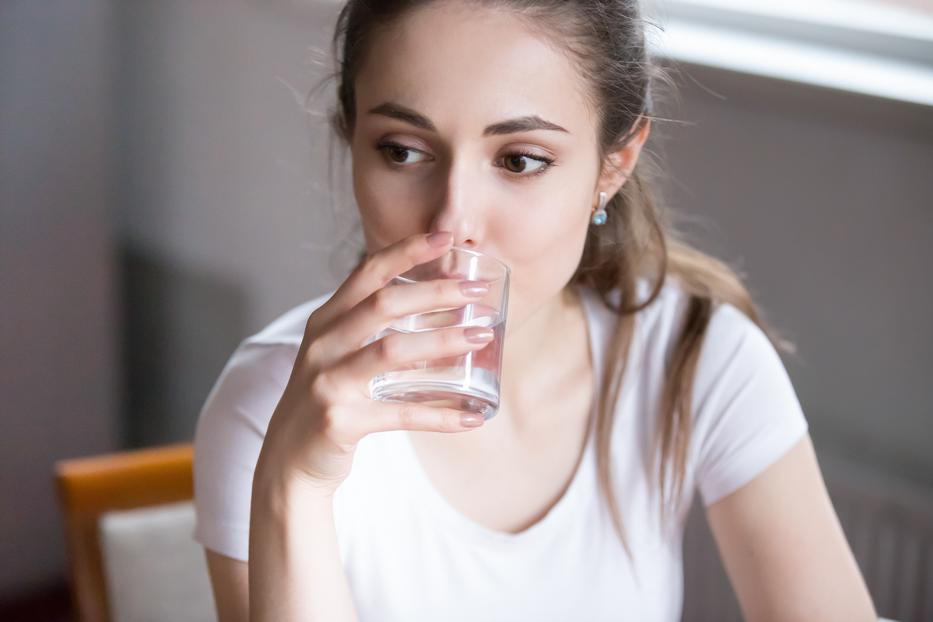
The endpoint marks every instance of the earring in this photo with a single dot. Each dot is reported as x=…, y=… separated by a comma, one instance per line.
x=600, y=215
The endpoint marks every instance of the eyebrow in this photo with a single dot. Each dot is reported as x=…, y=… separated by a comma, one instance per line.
x=511, y=126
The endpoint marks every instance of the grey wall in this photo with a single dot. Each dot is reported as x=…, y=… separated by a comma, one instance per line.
x=226, y=217
x=824, y=200
x=187, y=179
x=59, y=383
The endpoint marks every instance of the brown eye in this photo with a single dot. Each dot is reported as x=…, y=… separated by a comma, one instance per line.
x=518, y=163
x=398, y=154
x=515, y=163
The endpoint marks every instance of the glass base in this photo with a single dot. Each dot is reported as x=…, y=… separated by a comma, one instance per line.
x=432, y=395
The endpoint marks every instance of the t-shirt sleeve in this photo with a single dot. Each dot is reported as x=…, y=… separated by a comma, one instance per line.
x=746, y=412
x=228, y=437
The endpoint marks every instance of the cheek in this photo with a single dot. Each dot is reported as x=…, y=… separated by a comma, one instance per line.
x=545, y=220
x=549, y=216
x=544, y=241
x=537, y=220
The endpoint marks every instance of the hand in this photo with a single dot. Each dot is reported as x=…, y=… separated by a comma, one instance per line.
x=326, y=408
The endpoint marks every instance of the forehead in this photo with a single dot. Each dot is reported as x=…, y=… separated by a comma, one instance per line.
x=469, y=66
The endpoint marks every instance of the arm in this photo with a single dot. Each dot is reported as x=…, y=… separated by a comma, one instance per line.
x=230, y=585
x=784, y=550
x=295, y=571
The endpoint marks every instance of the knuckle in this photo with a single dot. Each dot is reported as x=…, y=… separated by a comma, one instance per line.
x=313, y=351
x=382, y=301
x=317, y=318
x=326, y=418
x=333, y=422
x=390, y=348
x=373, y=271
x=323, y=388
x=312, y=330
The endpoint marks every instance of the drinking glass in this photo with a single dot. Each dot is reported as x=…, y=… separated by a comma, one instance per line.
x=467, y=382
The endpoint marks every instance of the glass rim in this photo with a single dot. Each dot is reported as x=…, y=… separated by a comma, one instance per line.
x=459, y=249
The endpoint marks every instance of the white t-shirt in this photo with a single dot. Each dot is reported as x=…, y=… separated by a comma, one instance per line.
x=410, y=556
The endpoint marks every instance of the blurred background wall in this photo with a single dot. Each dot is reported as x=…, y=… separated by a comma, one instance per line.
x=60, y=311
x=164, y=195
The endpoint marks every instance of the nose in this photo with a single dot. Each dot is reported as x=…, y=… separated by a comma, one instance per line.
x=460, y=206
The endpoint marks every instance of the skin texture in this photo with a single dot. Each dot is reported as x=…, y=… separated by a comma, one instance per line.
x=464, y=70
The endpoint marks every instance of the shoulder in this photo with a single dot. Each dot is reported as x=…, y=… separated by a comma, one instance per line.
x=265, y=358
x=253, y=378
x=659, y=325
x=288, y=328
x=743, y=406
x=729, y=329
x=744, y=409
x=736, y=358
x=232, y=425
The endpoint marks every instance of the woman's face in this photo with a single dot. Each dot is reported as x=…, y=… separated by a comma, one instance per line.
x=468, y=122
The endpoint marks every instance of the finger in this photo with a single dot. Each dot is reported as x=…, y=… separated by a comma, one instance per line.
x=379, y=269
x=399, y=350
x=385, y=416
x=439, y=302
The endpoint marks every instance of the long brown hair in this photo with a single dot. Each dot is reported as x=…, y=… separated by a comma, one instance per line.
x=607, y=40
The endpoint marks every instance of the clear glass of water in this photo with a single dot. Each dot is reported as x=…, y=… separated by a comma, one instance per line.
x=467, y=382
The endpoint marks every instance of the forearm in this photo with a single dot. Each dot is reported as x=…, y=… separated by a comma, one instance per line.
x=295, y=571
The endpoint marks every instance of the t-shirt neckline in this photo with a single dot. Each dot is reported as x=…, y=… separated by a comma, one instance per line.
x=547, y=526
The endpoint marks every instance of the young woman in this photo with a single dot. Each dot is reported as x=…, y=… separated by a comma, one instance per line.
x=636, y=370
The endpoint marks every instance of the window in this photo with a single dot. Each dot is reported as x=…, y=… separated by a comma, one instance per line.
x=877, y=47
x=919, y=6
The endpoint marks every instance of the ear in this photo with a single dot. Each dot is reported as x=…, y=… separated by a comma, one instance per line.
x=619, y=164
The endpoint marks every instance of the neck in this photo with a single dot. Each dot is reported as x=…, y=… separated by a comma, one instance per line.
x=536, y=354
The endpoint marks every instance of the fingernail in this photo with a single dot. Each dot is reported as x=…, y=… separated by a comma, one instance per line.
x=439, y=238
x=477, y=334
x=471, y=420
x=473, y=288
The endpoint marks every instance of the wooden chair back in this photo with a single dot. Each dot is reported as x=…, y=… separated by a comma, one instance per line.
x=89, y=487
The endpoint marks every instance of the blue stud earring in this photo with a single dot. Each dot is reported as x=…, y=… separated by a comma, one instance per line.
x=600, y=215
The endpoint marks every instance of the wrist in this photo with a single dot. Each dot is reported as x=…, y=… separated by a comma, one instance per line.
x=281, y=492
